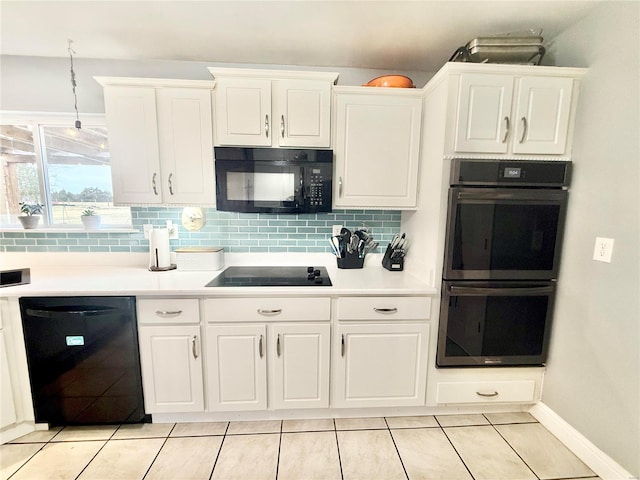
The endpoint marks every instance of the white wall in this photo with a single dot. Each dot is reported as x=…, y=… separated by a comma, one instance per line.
x=593, y=372
x=43, y=84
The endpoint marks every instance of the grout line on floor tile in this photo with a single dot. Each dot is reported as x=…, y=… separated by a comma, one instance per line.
x=158, y=453
x=56, y=434
x=335, y=432
x=396, y=447
x=215, y=462
x=29, y=459
x=279, y=445
x=456, y=450
x=515, y=451
x=512, y=423
x=92, y=458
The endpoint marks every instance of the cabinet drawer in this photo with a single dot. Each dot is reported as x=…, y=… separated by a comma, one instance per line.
x=521, y=391
x=384, y=308
x=267, y=309
x=169, y=311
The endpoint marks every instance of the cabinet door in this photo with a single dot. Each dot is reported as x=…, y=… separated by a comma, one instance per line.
x=483, y=122
x=133, y=144
x=237, y=367
x=542, y=115
x=377, y=151
x=171, y=362
x=243, y=112
x=186, y=145
x=299, y=359
x=302, y=113
x=7, y=405
x=381, y=365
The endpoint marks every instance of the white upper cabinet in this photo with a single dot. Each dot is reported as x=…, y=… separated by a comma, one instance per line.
x=377, y=148
x=243, y=112
x=484, y=111
x=133, y=144
x=160, y=140
x=273, y=108
x=186, y=145
x=510, y=110
x=490, y=121
x=542, y=115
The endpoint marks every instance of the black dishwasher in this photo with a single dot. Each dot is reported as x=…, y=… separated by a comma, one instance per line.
x=84, y=363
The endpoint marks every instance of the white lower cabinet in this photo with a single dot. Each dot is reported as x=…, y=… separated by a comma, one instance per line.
x=516, y=391
x=380, y=351
x=380, y=365
x=299, y=359
x=171, y=355
x=501, y=385
x=236, y=367
x=268, y=353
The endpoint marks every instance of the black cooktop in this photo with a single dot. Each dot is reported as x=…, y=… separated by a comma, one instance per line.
x=272, y=277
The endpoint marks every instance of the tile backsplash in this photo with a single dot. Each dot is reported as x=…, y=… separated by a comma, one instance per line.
x=236, y=232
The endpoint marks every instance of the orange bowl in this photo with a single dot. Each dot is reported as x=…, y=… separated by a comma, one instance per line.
x=396, y=81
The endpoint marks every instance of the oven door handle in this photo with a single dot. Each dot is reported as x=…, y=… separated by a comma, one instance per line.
x=499, y=291
x=534, y=195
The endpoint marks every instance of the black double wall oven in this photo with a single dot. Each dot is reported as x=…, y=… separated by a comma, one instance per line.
x=505, y=223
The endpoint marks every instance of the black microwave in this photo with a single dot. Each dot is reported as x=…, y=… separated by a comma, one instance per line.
x=273, y=180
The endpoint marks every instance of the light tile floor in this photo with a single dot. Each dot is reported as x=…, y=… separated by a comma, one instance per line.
x=499, y=446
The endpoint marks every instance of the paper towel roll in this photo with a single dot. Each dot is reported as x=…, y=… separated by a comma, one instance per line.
x=159, y=255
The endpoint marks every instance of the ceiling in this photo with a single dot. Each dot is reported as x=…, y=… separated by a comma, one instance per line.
x=385, y=35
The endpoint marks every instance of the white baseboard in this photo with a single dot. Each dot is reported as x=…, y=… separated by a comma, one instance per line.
x=598, y=461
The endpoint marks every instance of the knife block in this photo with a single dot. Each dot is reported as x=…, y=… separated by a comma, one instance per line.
x=351, y=260
x=392, y=264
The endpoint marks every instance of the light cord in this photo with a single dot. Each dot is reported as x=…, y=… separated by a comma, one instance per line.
x=73, y=85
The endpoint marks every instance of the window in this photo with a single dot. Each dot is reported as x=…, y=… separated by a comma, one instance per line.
x=49, y=161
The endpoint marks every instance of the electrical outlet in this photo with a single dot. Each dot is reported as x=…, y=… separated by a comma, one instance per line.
x=603, y=249
x=335, y=230
x=146, y=229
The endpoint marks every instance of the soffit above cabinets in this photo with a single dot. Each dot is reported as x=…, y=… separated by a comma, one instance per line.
x=387, y=35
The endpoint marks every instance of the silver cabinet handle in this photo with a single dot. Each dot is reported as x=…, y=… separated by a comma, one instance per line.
x=342, y=347
x=489, y=395
x=260, y=346
x=340, y=186
x=153, y=183
x=506, y=130
x=266, y=125
x=282, y=125
x=525, y=127
x=278, y=345
x=276, y=311
x=385, y=310
x=168, y=313
x=170, y=184
x=193, y=347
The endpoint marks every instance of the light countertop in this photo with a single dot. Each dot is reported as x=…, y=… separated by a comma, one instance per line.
x=74, y=276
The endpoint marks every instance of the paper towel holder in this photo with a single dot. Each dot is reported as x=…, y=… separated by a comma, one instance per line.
x=159, y=252
x=173, y=266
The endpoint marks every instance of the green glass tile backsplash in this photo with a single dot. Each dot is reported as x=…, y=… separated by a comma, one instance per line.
x=236, y=232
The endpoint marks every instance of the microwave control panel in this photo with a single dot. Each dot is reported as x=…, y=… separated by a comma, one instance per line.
x=318, y=191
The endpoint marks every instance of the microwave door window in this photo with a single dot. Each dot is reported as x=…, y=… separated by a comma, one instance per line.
x=240, y=186
x=274, y=187
x=261, y=188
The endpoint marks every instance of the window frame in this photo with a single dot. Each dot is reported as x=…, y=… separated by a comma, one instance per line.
x=52, y=119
